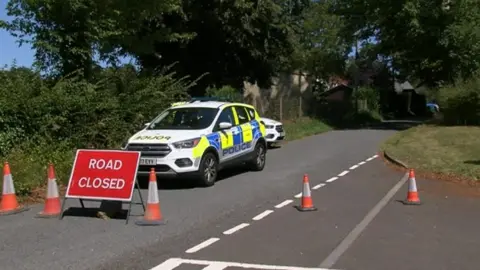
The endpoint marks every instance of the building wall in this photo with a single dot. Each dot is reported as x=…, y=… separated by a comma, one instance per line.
x=285, y=87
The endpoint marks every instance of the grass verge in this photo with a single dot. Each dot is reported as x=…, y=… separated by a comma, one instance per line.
x=304, y=127
x=448, y=151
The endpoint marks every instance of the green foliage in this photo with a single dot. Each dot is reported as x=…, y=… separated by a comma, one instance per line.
x=460, y=102
x=44, y=120
x=432, y=40
x=229, y=40
x=320, y=48
x=369, y=95
x=225, y=92
x=67, y=34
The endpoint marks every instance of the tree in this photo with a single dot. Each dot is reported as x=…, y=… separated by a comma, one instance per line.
x=321, y=50
x=67, y=34
x=431, y=40
x=230, y=40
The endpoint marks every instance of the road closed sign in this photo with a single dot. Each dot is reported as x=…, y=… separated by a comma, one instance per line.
x=103, y=175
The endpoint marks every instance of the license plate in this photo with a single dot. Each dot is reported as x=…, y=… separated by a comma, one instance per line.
x=148, y=161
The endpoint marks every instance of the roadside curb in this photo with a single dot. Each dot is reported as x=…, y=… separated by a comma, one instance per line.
x=395, y=161
x=401, y=166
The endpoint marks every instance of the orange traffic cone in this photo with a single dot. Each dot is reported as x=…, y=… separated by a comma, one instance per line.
x=412, y=195
x=52, y=202
x=9, y=204
x=307, y=203
x=153, y=215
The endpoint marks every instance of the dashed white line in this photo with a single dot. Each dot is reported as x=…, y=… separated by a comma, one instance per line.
x=204, y=244
x=236, y=228
x=331, y=179
x=265, y=213
x=319, y=186
x=282, y=204
x=262, y=215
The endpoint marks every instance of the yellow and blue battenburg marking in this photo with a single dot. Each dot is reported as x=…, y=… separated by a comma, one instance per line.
x=243, y=134
x=257, y=133
x=214, y=140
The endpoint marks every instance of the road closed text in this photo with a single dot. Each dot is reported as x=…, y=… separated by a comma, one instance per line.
x=104, y=174
x=105, y=183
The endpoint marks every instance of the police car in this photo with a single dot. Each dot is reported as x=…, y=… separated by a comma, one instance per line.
x=201, y=137
x=274, y=129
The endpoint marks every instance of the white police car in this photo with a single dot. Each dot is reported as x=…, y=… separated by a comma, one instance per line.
x=274, y=129
x=201, y=137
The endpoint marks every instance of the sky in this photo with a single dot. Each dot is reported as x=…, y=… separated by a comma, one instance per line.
x=9, y=50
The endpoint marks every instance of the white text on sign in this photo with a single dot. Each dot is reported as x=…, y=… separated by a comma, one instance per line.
x=101, y=164
x=106, y=183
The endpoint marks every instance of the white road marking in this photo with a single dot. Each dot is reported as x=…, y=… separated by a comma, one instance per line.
x=353, y=235
x=331, y=179
x=371, y=158
x=168, y=264
x=216, y=266
x=298, y=195
x=262, y=215
x=171, y=263
x=361, y=163
x=353, y=167
x=343, y=173
x=204, y=244
x=319, y=186
x=236, y=228
x=282, y=204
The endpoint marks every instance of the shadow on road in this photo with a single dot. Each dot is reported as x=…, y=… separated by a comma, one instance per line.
x=107, y=210
x=473, y=162
x=274, y=146
x=184, y=182
x=397, y=125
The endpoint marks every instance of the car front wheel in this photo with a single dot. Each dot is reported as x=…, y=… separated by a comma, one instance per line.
x=208, y=170
x=260, y=157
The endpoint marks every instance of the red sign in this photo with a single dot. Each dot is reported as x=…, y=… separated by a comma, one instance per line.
x=103, y=175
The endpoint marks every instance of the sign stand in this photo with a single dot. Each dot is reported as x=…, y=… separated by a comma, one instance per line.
x=141, y=202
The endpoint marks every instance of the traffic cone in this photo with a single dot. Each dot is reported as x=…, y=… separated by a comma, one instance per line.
x=52, y=206
x=412, y=195
x=307, y=203
x=153, y=214
x=9, y=204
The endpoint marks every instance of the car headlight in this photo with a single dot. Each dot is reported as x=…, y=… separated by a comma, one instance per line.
x=186, y=144
x=268, y=126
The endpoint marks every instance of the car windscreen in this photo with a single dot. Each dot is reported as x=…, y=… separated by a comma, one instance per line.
x=184, y=118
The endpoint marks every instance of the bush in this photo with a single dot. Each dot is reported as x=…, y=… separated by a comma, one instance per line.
x=225, y=92
x=370, y=96
x=43, y=120
x=460, y=103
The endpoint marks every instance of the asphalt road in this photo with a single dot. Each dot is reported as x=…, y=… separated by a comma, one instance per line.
x=282, y=237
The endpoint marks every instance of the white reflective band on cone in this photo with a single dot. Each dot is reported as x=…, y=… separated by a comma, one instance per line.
x=412, y=186
x=306, y=190
x=8, y=187
x=152, y=192
x=52, y=191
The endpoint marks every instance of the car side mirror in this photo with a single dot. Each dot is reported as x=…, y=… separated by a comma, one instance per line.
x=224, y=125
x=147, y=124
